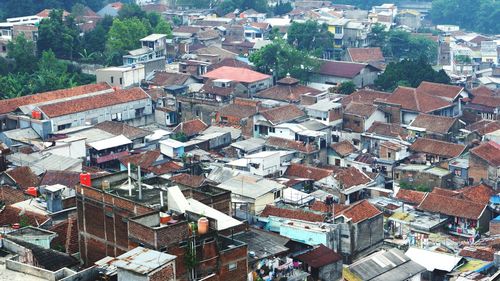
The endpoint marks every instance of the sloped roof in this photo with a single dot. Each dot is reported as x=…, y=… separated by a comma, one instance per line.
x=489, y=151
x=319, y=257
x=282, y=114
x=165, y=78
x=120, y=128
x=237, y=74
x=306, y=172
x=289, y=213
x=388, y=130
x=341, y=68
x=144, y=160
x=66, y=178
x=231, y=62
x=286, y=91
x=364, y=96
x=437, y=147
x=451, y=206
x=411, y=99
x=94, y=102
x=238, y=110
x=191, y=127
x=350, y=177
x=291, y=145
x=10, y=105
x=440, y=90
x=360, y=211
x=365, y=54
x=410, y=196
x=434, y=123
x=23, y=176
x=188, y=180
x=360, y=109
x=484, y=126
x=343, y=148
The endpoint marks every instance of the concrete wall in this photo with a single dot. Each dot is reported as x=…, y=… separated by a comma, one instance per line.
x=331, y=271
x=129, y=76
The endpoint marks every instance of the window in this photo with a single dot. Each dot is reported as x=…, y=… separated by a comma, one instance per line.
x=121, y=81
x=338, y=30
x=112, y=79
x=232, y=266
x=389, y=155
x=64, y=126
x=197, y=113
x=357, y=123
x=256, y=127
x=139, y=112
x=277, y=194
x=272, y=130
x=338, y=42
x=458, y=172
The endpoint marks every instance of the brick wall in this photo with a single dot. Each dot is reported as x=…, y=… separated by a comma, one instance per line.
x=67, y=235
x=349, y=122
x=238, y=256
x=167, y=273
x=478, y=168
x=494, y=227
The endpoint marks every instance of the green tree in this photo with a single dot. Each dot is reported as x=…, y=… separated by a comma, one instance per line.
x=409, y=73
x=280, y=59
x=310, y=36
x=404, y=45
x=124, y=35
x=131, y=10
x=377, y=36
x=163, y=27
x=52, y=74
x=347, y=88
x=62, y=37
x=22, y=51
x=282, y=8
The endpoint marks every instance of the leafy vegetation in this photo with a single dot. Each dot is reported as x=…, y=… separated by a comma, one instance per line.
x=280, y=59
x=409, y=73
x=310, y=36
x=16, y=8
x=228, y=6
x=347, y=88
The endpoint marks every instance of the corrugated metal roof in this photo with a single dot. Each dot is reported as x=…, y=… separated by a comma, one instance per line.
x=140, y=260
x=110, y=142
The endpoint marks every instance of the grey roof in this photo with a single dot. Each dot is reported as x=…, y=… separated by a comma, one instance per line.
x=313, y=125
x=39, y=162
x=142, y=260
x=262, y=243
x=22, y=135
x=250, y=186
x=140, y=51
x=235, y=133
x=92, y=135
x=324, y=105
x=220, y=174
x=250, y=144
x=108, y=10
x=390, y=265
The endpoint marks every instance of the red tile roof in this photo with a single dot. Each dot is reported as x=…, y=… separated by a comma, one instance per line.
x=286, y=92
x=440, y=90
x=410, y=196
x=165, y=78
x=437, y=147
x=365, y=54
x=320, y=206
x=24, y=177
x=486, y=101
x=45, y=13
x=10, y=195
x=451, y=206
x=489, y=151
x=165, y=168
x=307, y=172
x=388, y=130
x=10, y=105
x=343, y=148
x=483, y=91
x=93, y=102
x=319, y=257
x=364, y=96
x=238, y=110
x=191, y=127
x=11, y=215
x=484, y=126
x=350, y=177
x=66, y=178
x=480, y=193
x=289, y=213
x=188, y=180
x=229, y=62
x=242, y=75
x=479, y=253
x=411, y=99
x=360, y=211
x=434, y=123
x=341, y=68
x=282, y=114
x=290, y=144
x=360, y=109
x=144, y=159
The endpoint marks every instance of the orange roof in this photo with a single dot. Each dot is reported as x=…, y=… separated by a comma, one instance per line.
x=360, y=211
x=411, y=99
x=307, y=172
x=296, y=214
x=437, y=147
x=365, y=54
x=410, y=196
x=93, y=102
x=489, y=151
x=45, y=13
x=191, y=127
x=343, y=148
x=10, y=105
x=238, y=74
x=451, y=206
x=440, y=90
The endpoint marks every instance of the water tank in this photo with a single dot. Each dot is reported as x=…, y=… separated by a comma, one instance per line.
x=85, y=179
x=164, y=218
x=32, y=191
x=105, y=185
x=202, y=226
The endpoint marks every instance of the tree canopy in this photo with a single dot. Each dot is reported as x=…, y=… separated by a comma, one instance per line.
x=60, y=36
x=280, y=59
x=409, y=73
x=310, y=36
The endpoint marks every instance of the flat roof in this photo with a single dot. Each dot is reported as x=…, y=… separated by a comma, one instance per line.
x=172, y=143
x=153, y=37
x=110, y=143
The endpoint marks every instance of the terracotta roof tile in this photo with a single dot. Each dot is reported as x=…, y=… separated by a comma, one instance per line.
x=11, y=215
x=145, y=159
x=165, y=168
x=191, y=128
x=410, y=196
x=66, y=178
x=480, y=193
x=479, y=253
x=237, y=110
x=282, y=114
x=188, y=180
x=242, y=75
x=306, y=172
x=24, y=177
x=341, y=68
x=289, y=213
x=411, y=99
x=164, y=78
x=434, y=123
x=364, y=96
x=290, y=144
x=437, y=147
x=319, y=257
x=388, y=130
x=487, y=101
x=484, y=126
x=360, y=109
x=365, y=54
x=440, y=90
x=10, y=105
x=451, y=206
x=484, y=91
x=489, y=151
x=360, y=211
x=10, y=195
x=350, y=177
x=94, y=102
x=290, y=92
x=320, y=206
x=343, y=148
x=229, y=62
x=120, y=128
